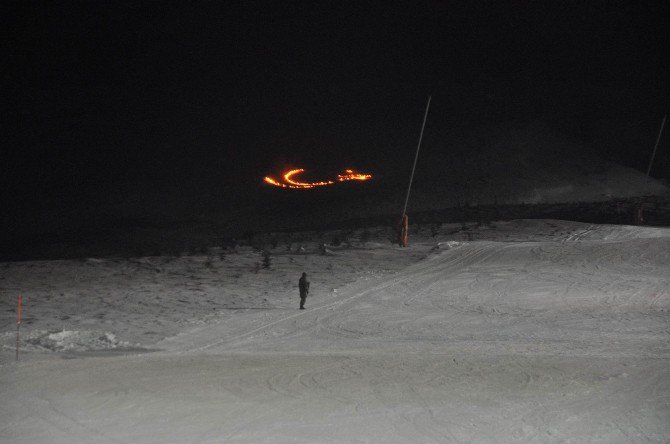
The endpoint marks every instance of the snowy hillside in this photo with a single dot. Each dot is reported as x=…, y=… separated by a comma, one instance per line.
x=530, y=165
x=531, y=331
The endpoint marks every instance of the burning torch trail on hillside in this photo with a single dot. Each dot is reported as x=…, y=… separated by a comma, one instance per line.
x=289, y=180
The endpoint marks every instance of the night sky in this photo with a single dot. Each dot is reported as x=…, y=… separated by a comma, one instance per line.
x=108, y=96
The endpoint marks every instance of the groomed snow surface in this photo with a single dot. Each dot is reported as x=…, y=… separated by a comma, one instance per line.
x=522, y=331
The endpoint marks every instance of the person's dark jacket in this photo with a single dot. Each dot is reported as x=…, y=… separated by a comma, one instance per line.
x=303, y=284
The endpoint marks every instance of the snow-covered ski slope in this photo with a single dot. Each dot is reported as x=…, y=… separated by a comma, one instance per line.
x=522, y=331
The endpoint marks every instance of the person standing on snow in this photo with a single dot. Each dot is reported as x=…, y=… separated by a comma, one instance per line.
x=303, y=285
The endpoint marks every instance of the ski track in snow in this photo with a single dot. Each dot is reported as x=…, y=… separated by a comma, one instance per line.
x=527, y=331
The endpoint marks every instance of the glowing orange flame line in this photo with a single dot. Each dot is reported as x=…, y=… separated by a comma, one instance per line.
x=287, y=178
x=291, y=183
x=353, y=176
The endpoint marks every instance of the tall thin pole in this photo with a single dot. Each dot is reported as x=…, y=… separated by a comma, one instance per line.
x=416, y=157
x=658, y=139
x=18, y=325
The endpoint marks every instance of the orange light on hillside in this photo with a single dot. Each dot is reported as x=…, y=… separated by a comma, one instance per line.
x=351, y=175
x=271, y=181
x=291, y=182
x=288, y=179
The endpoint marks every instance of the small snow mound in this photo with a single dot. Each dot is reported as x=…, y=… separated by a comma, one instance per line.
x=68, y=340
x=93, y=260
x=446, y=245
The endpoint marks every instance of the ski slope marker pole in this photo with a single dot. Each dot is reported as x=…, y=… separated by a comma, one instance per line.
x=653, y=154
x=18, y=325
x=416, y=157
x=403, y=218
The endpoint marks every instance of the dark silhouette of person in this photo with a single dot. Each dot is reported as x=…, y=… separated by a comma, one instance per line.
x=303, y=285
